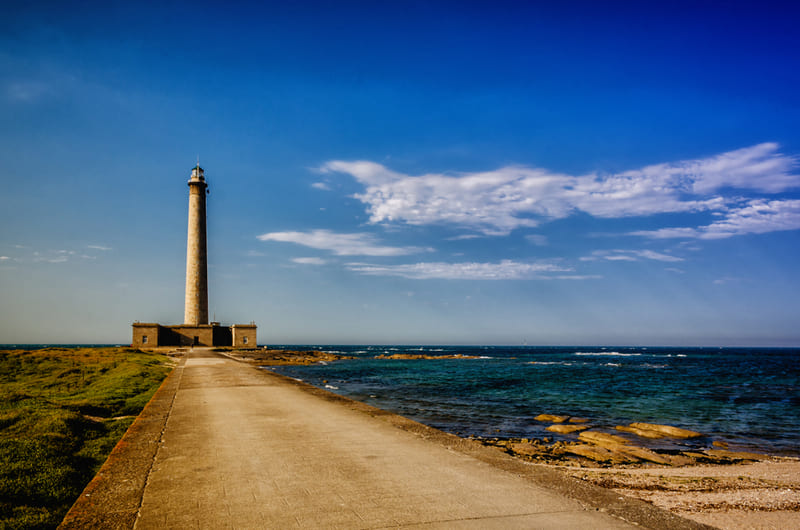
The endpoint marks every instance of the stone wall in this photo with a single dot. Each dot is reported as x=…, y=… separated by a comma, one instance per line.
x=150, y=335
x=244, y=335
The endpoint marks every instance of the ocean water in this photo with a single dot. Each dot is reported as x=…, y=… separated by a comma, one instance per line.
x=747, y=397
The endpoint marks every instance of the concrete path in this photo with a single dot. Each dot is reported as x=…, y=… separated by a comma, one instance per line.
x=244, y=448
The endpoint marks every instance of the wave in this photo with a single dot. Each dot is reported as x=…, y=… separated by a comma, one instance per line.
x=609, y=353
x=332, y=387
x=560, y=363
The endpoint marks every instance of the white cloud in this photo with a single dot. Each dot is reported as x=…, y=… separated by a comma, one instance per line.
x=629, y=255
x=309, y=261
x=320, y=186
x=726, y=279
x=758, y=216
x=503, y=270
x=3, y=258
x=98, y=247
x=496, y=202
x=357, y=244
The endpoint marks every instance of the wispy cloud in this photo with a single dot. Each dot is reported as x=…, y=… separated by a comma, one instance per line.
x=26, y=91
x=537, y=239
x=309, y=261
x=98, y=247
x=4, y=258
x=503, y=270
x=354, y=244
x=629, y=255
x=321, y=186
x=496, y=202
x=757, y=216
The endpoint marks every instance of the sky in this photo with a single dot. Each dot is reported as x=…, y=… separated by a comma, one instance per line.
x=541, y=173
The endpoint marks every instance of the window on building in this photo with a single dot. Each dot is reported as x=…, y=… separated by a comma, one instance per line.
x=244, y=340
x=144, y=339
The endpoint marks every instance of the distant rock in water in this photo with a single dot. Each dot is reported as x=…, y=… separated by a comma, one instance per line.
x=552, y=418
x=566, y=429
x=665, y=430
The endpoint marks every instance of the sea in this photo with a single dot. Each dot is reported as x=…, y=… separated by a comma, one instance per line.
x=748, y=398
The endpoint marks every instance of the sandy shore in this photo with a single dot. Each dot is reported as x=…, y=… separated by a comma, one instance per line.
x=756, y=491
x=762, y=494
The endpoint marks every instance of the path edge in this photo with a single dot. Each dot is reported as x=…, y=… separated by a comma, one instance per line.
x=113, y=497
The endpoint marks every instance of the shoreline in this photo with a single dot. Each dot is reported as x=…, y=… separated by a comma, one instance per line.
x=718, y=487
x=409, y=461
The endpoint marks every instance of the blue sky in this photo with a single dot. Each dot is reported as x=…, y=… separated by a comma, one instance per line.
x=418, y=172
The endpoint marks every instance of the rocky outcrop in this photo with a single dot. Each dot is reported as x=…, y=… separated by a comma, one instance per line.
x=551, y=418
x=566, y=429
x=666, y=430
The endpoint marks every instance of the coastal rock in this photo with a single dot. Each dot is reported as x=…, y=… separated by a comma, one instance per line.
x=578, y=420
x=644, y=433
x=668, y=430
x=597, y=453
x=566, y=429
x=551, y=418
x=734, y=455
x=602, y=438
x=526, y=449
x=267, y=357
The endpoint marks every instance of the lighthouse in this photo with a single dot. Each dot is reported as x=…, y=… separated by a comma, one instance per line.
x=195, y=311
x=196, y=330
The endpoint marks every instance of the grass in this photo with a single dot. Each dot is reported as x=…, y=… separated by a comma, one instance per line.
x=62, y=411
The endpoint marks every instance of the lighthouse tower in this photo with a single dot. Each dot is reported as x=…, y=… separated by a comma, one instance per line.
x=196, y=303
x=196, y=330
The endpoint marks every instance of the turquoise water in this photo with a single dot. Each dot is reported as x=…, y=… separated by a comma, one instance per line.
x=748, y=397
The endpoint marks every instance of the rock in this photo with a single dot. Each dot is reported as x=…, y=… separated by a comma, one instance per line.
x=551, y=418
x=566, y=429
x=640, y=453
x=578, y=420
x=734, y=455
x=602, y=438
x=721, y=445
x=668, y=430
x=644, y=433
x=525, y=449
x=597, y=453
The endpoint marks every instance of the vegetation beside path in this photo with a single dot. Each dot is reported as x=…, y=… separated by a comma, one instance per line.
x=62, y=411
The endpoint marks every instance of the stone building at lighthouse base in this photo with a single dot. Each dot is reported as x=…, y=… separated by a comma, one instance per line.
x=147, y=334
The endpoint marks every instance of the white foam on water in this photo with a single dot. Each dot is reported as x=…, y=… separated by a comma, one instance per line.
x=332, y=387
x=610, y=353
x=560, y=363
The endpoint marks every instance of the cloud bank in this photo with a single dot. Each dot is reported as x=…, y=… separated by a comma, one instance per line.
x=354, y=244
x=503, y=270
x=497, y=202
x=755, y=217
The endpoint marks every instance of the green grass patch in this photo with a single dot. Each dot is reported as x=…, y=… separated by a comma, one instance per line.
x=62, y=411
